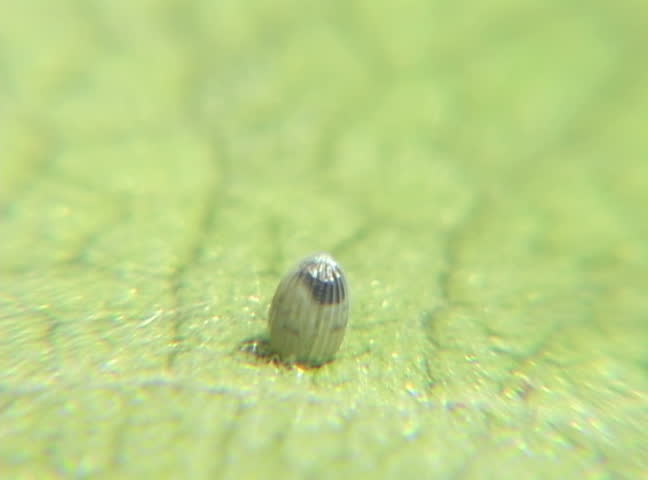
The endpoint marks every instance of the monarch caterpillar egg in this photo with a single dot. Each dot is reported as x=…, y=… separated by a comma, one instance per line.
x=309, y=311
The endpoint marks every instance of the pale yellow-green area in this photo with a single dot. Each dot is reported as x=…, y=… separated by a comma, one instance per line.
x=478, y=168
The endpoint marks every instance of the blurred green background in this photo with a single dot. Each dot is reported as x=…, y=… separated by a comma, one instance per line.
x=478, y=168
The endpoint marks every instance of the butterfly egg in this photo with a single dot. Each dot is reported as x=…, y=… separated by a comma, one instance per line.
x=309, y=311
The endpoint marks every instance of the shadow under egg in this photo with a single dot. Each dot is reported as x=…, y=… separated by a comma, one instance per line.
x=259, y=351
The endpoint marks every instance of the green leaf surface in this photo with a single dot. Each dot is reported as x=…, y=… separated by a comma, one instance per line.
x=478, y=168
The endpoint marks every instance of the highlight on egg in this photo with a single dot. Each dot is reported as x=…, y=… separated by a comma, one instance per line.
x=309, y=311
